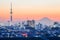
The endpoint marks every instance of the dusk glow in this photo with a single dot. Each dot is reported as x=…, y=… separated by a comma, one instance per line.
x=30, y=9
x=30, y=19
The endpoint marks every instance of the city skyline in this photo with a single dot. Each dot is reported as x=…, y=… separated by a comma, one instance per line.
x=30, y=9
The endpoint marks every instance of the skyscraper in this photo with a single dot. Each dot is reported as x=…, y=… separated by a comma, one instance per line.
x=31, y=23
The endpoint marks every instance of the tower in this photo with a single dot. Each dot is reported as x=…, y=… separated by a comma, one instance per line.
x=11, y=14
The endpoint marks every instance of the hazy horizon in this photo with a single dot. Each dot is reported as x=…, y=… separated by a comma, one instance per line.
x=30, y=9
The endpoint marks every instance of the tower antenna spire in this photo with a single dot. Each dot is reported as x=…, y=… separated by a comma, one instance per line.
x=11, y=18
x=11, y=13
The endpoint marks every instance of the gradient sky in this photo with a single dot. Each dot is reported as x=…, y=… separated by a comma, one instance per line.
x=30, y=9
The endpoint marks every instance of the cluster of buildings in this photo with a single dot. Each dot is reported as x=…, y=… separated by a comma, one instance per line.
x=29, y=28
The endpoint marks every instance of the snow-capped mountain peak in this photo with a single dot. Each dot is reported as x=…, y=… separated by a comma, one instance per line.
x=46, y=21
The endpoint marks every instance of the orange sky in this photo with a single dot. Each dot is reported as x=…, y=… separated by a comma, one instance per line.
x=30, y=11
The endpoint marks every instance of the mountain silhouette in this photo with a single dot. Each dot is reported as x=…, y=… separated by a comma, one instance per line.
x=46, y=21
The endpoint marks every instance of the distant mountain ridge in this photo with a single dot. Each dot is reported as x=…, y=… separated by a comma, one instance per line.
x=46, y=21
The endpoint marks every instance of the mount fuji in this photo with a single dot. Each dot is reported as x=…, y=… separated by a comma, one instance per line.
x=46, y=21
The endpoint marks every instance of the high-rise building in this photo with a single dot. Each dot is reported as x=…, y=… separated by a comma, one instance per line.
x=38, y=26
x=31, y=23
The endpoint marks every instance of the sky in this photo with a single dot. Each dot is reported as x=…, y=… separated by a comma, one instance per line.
x=30, y=9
